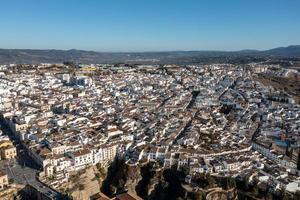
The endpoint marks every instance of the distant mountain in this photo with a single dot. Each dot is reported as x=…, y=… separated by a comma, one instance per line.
x=30, y=56
x=293, y=50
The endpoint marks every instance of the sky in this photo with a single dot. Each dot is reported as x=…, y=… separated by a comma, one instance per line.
x=149, y=25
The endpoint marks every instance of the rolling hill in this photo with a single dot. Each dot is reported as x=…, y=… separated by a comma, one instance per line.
x=30, y=56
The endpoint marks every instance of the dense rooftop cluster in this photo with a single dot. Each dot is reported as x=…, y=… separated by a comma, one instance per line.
x=213, y=119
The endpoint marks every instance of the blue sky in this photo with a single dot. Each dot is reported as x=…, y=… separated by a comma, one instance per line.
x=149, y=25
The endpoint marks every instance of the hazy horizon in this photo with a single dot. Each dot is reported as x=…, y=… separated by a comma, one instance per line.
x=99, y=51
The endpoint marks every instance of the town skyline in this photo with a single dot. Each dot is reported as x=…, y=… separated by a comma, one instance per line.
x=150, y=100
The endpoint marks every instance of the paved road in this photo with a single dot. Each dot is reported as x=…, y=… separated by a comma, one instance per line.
x=25, y=175
x=24, y=170
x=21, y=174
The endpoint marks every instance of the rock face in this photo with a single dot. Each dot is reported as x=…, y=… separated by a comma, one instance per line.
x=149, y=179
x=120, y=177
x=153, y=183
x=220, y=194
x=142, y=180
x=166, y=184
x=134, y=177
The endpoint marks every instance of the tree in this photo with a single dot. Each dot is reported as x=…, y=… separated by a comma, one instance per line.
x=185, y=170
x=97, y=175
x=255, y=191
x=269, y=196
x=296, y=195
x=283, y=194
x=298, y=161
x=200, y=196
x=81, y=187
x=245, y=183
x=230, y=182
x=210, y=180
